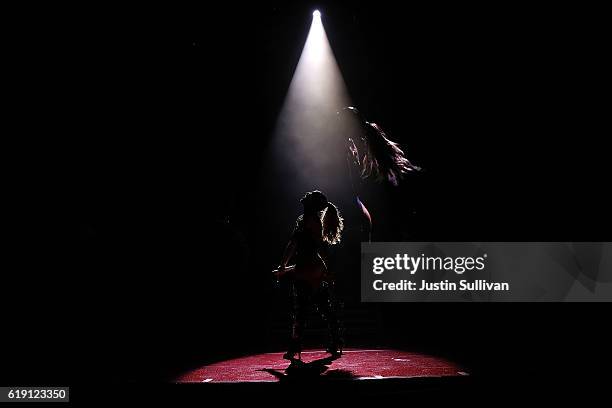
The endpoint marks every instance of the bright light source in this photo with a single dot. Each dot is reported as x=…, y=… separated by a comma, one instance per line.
x=310, y=142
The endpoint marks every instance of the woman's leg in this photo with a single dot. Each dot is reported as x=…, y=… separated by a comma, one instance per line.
x=327, y=306
x=299, y=308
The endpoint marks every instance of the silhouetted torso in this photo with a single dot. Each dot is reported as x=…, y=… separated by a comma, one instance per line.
x=308, y=235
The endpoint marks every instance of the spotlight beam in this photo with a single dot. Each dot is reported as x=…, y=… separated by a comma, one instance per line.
x=308, y=146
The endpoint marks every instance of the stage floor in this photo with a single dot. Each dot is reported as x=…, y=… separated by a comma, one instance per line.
x=355, y=364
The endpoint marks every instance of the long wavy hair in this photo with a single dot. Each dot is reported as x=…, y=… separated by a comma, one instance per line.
x=333, y=224
x=331, y=219
x=379, y=156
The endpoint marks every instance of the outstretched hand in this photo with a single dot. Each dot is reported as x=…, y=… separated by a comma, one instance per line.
x=279, y=271
x=282, y=269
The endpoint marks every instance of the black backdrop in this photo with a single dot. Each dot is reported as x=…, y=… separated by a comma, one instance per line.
x=172, y=111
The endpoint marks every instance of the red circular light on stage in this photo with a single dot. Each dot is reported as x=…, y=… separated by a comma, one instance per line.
x=354, y=364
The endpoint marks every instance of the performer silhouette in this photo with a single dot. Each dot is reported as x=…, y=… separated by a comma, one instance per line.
x=310, y=280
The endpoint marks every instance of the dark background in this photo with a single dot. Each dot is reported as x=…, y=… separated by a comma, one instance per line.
x=172, y=112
